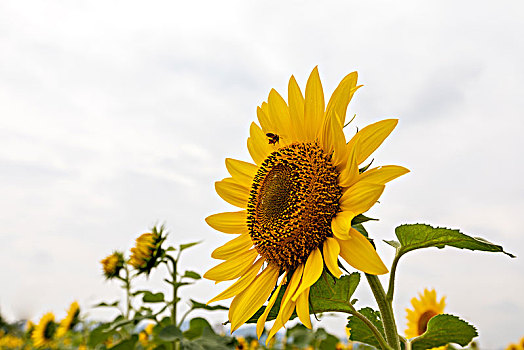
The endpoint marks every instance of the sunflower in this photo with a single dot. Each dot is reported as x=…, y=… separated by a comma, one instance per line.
x=148, y=249
x=29, y=327
x=44, y=331
x=112, y=264
x=424, y=309
x=9, y=341
x=69, y=321
x=144, y=335
x=298, y=200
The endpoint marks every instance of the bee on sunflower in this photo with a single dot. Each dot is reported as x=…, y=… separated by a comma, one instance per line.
x=70, y=320
x=148, y=250
x=44, y=332
x=297, y=201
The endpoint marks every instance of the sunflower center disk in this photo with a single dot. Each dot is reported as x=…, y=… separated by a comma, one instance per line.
x=294, y=197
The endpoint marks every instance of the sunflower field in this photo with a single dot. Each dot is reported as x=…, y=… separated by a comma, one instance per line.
x=298, y=251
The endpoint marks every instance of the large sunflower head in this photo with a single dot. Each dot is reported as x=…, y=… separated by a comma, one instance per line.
x=424, y=308
x=112, y=264
x=298, y=199
x=148, y=248
x=45, y=330
x=70, y=320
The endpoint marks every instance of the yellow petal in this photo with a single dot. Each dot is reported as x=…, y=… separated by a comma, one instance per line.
x=371, y=137
x=326, y=135
x=293, y=284
x=280, y=118
x=242, y=172
x=338, y=103
x=296, y=108
x=257, y=144
x=340, y=156
x=341, y=224
x=312, y=271
x=232, y=268
x=283, y=316
x=359, y=253
x=313, y=105
x=232, y=192
x=349, y=175
x=262, y=319
x=244, y=281
x=264, y=121
x=230, y=222
x=383, y=174
x=303, y=308
x=235, y=246
x=253, y=297
x=360, y=197
x=331, y=250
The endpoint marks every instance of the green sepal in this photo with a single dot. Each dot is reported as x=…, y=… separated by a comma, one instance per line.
x=197, y=305
x=417, y=236
x=188, y=245
x=444, y=329
x=360, y=218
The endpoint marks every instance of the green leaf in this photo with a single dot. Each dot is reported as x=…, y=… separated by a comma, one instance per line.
x=360, y=228
x=417, y=236
x=196, y=305
x=360, y=331
x=188, y=245
x=327, y=294
x=128, y=344
x=393, y=243
x=153, y=297
x=177, y=284
x=360, y=218
x=330, y=294
x=197, y=327
x=192, y=274
x=170, y=333
x=300, y=336
x=99, y=335
x=444, y=329
x=104, y=304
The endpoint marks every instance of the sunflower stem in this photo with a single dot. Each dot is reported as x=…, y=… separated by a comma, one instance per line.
x=386, y=311
x=127, y=283
x=391, y=285
x=175, y=289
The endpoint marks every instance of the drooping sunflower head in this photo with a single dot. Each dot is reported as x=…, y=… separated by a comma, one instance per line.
x=112, y=264
x=298, y=198
x=148, y=248
x=45, y=330
x=424, y=308
x=71, y=319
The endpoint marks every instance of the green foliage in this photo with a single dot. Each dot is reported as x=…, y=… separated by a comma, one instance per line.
x=360, y=331
x=331, y=294
x=360, y=218
x=301, y=337
x=188, y=245
x=170, y=333
x=192, y=274
x=149, y=297
x=417, y=236
x=444, y=329
x=127, y=344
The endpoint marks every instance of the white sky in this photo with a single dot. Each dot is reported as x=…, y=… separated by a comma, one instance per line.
x=118, y=115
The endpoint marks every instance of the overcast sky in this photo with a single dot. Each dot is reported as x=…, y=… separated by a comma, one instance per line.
x=116, y=115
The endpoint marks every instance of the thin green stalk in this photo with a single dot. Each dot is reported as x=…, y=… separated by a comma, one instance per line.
x=386, y=311
x=391, y=285
x=127, y=286
x=175, y=289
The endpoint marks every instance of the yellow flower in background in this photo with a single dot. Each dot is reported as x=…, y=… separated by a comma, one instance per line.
x=241, y=344
x=145, y=254
x=144, y=336
x=424, y=309
x=45, y=330
x=519, y=346
x=9, y=341
x=112, y=264
x=29, y=327
x=70, y=320
x=297, y=201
